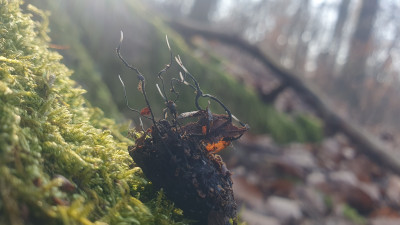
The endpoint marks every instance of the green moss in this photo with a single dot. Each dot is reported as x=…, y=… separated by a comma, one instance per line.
x=47, y=128
x=69, y=39
x=311, y=127
x=328, y=201
x=352, y=214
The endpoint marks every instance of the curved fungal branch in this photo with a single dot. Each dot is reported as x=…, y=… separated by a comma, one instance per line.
x=126, y=99
x=173, y=90
x=220, y=103
x=164, y=70
x=199, y=92
x=196, y=84
x=181, y=81
x=139, y=76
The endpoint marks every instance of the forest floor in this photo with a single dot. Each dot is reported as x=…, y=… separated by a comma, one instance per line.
x=326, y=183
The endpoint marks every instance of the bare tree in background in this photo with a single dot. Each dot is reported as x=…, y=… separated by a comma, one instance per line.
x=353, y=72
x=202, y=9
x=327, y=60
x=341, y=20
x=302, y=47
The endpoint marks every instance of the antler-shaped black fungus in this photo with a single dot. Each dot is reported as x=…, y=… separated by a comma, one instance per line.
x=180, y=159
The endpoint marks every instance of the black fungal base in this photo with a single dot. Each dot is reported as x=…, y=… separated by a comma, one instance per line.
x=196, y=180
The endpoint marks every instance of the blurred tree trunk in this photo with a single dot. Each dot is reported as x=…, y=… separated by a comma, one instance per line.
x=272, y=40
x=353, y=72
x=293, y=32
x=301, y=48
x=201, y=10
x=327, y=59
x=338, y=34
x=341, y=19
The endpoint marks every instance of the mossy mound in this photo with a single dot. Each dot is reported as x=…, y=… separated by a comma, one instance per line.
x=48, y=129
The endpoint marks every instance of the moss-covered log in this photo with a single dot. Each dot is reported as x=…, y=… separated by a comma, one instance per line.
x=61, y=160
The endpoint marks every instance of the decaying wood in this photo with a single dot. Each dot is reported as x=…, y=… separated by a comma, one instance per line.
x=367, y=144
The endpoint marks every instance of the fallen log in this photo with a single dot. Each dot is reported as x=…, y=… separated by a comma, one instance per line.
x=365, y=142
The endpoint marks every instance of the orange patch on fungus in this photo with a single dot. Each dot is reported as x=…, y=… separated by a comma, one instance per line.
x=145, y=111
x=204, y=130
x=217, y=146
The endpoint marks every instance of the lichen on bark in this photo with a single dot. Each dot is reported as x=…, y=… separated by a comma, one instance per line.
x=48, y=129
